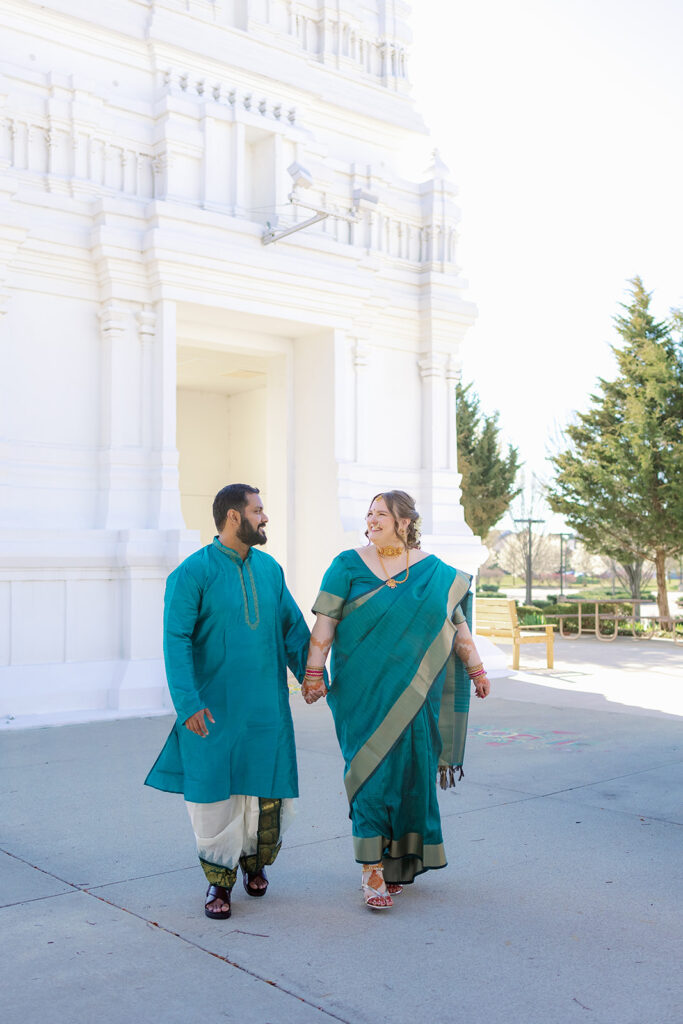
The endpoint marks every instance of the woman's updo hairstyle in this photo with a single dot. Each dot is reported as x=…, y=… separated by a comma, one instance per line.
x=402, y=506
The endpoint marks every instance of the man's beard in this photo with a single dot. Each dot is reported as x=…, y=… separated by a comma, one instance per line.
x=248, y=535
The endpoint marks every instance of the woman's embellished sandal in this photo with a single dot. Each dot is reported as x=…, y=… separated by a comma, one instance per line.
x=217, y=892
x=394, y=889
x=374, y=888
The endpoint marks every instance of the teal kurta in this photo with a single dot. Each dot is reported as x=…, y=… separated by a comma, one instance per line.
x=231, y=629
x=399, y=697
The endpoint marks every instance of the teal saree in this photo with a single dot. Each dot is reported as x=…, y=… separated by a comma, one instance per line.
x=400, y=699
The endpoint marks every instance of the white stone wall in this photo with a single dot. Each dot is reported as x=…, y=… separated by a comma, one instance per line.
x=143, y=151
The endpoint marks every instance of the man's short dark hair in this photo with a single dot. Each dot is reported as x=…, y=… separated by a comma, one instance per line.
x=233, y=496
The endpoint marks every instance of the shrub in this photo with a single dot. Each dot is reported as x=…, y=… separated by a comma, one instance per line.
x=490, y=588
x=530, y=615
x=554, y=611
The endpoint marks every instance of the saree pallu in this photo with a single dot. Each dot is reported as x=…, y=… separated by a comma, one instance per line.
x=400, y=700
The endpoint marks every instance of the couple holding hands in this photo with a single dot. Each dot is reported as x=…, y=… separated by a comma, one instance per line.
x=395, y=619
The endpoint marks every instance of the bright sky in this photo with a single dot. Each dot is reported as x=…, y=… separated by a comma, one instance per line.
x=561, y=123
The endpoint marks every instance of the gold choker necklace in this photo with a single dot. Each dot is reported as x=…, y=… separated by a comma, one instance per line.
x=391, y=583
x=390, y=552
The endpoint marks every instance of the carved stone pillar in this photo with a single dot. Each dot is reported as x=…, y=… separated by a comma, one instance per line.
x=113, y=375
x=160, y=166
x=146, y=321
x=12, y=236
x=165, y=512
x=453, y=376
x=239, y=162
x=363, y=399
x=434, y=429
x=434, y=420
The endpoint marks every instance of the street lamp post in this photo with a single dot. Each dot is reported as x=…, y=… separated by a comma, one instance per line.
x=569, y=536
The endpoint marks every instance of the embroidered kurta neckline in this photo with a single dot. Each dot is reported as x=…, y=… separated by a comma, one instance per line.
x=241, y=565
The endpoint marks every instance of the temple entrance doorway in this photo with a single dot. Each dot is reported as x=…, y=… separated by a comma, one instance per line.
x=233, y=418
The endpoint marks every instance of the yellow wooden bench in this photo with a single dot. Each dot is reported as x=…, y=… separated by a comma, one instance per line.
x=497, y=619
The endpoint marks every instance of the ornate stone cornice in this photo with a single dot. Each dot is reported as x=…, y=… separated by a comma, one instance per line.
x=453, y=370
x=112, y=320
x=432, y=367
x=182, y=83
x=361, y=354
x=147, y=322
x=12, y=237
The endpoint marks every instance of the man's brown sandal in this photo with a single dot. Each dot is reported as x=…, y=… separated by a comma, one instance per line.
x=248, y=877
x=217, y=892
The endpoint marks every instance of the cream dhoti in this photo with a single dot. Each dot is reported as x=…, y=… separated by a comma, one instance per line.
x=243, y=831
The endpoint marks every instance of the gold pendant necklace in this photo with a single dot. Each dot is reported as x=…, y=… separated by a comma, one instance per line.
x=394, y=583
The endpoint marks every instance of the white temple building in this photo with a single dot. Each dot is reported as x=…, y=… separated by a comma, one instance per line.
x=156, y=343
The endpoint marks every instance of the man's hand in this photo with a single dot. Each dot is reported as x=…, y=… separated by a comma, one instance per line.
x=195, y=723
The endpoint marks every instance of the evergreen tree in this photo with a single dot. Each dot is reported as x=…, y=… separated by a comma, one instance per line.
x=488, y=475
x=620, y=483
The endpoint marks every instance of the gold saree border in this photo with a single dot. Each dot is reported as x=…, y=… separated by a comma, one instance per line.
x=452, y=719
x=352, y=605
x=217, y=875
x=336, y=607
x=268, y=837
x=328, y=604
x=372, y=850
x=401, y=714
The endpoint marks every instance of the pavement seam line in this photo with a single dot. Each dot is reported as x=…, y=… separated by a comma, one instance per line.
x=141, y=878
x=44, y=871
x=82, y=888
x=37, y=899
x=614, y=778
x=486, y=807
x=619, y=810
x=218, y=956
x=155, y=924
x=301, y=749
x=316, y=842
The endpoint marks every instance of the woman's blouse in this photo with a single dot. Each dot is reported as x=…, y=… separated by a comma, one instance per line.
x=348, y=577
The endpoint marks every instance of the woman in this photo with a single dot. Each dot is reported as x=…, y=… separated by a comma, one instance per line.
x=396, y=620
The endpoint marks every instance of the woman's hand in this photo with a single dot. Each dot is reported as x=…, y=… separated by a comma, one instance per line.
x=195, y=723
x=482, y=686
x=466, y=650
x=313, y=686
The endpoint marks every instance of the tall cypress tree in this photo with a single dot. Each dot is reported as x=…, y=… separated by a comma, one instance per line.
x=488, y=475
x=620, y=482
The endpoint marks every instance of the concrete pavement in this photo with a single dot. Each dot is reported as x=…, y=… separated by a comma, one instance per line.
x=561, y=901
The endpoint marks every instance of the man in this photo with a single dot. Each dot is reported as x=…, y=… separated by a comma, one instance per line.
x=231, y=628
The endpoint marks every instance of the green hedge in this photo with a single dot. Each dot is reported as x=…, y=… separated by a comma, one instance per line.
x=546, y=612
